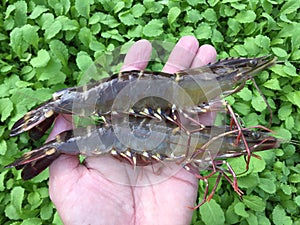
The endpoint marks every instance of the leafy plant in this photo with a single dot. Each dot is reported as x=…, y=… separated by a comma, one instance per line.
x=48, y=45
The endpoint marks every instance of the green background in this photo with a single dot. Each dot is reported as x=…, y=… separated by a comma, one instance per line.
x=48, y=45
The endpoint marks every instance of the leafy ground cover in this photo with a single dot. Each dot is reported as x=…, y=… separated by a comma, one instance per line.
x=47, y=45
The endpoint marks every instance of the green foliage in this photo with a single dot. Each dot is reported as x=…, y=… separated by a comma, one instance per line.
x=211, y=213
x=48, y=45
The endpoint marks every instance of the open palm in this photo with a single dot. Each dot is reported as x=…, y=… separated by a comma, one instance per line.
x=104, y=190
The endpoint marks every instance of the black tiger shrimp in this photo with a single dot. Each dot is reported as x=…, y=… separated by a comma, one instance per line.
x=188, y=88
x=160, y=143
x=193, y=151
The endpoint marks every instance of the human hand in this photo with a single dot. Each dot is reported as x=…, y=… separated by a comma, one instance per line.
x=85, y=194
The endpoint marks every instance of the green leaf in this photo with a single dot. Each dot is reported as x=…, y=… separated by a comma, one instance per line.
x=242, y=108
x=284, y=111
x=17, y=42
x=252, y=219
x=272, y=84
x=6, y=107
x=97, y=46
x=280, y=217
x=30, y=35
x=240, y=210
x=193, y=2
x=234, y=27
x=60, y=51
x=294, y=178
x=217, y=37
x=241, y=51
x=67, y=24
x=258, y=103
x=57, y=219
x=289, y=123
x=257, y=165
x=286, y=189
x=31, y=221
x=46, y=211
x=83, y=61
x=279, y=52
x=96, y=28
x=17, y=195
x=251, y=46
x=2, y=179
x=203, y=31
x=85, y=36
x=135, y=31
x=53, y=30
x=41, y=60
x=127, y=18
x=263, y=41
x=109, y=21
x=238, y=6
x=267, y=186
x=297, y=200
x=245, y=94
x=211, y=213
x=210, y=15
x=11, y=212
x=20, y=13
x=249, y=181
x=295, y=98
x=83, y=7
x=228, y=11
x=37, y=11
x=290, y=70
x=113, y=34
x=152, y=7
x=9, y=10
x=34, y=199
x=66, y=4
x=119, y=6
x=173, y=14
x=263, y=220
x=247, y=16
x=290, y=7
x=6, y=69
x=282, y=133
x=279, y=69
x=296, y=55
x=137, y=10
x=212, y=3
x=51, y=73
x=153, y=28
x=254, y=202
x=46, y=20
x=193, y=16
x=231, y=216
x=3, y=147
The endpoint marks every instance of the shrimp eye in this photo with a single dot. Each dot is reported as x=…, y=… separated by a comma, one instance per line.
x=255, y=135
x=60, y=93
x=253, y=63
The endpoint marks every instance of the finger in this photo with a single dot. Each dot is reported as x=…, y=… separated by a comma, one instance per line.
x=182, y=55
x=138, y=56
x=62, y=123
x=206, y=54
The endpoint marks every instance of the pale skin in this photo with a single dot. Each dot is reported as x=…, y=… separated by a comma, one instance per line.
x=83, y=194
